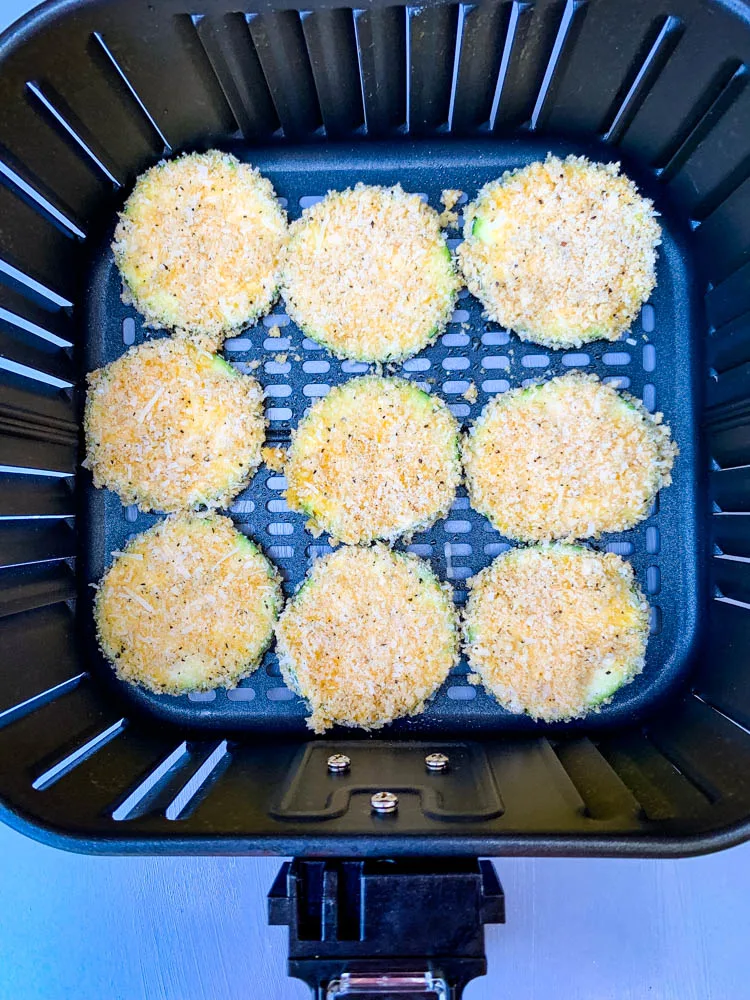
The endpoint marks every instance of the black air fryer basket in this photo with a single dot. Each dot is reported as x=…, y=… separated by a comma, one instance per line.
x=443, y=95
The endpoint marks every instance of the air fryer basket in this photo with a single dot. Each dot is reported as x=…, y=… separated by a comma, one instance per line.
x=441, y=95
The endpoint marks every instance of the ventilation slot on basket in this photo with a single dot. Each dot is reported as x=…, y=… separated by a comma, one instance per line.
x=45, y=697
x=670, y=33
x=72, y=760
x=72, y=130
x=46, y=204
x=188, y=799
x=164, y=146
x=566, y=35
x=142, y=798
x=603, y=793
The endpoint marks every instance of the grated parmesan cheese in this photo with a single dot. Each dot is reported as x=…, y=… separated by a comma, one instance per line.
x=195, y=609
x=370, y=635
x=568, y=458
x=562, y=251
x=169, y=426
x=199, y=243
x=368, y=274
x=375, y=458
x=554, y=631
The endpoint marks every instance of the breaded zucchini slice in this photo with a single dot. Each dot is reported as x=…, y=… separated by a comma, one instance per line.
x=189, y=605
x=568, y=458
x=368, y=274
x=555, y=630
x=170, y=426
x=369, y=636
x=563, y=252
x=376, y=458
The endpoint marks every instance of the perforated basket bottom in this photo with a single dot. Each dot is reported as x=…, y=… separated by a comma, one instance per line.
x=656, y=361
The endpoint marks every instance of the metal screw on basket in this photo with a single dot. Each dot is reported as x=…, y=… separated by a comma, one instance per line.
x=384, y=802
x=436, y=761
x=338, y=762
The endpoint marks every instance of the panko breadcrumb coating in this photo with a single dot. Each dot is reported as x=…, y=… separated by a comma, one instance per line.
x=189, y=605
x=199, y=243
x=170, y=426
x=368, y=274
x=568, y=458
x=370, y=635
x=563, y=252
x=377, y=457
x=555, y=631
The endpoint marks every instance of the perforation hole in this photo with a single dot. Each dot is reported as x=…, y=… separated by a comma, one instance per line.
x=493, y=385
x=495, y=548
x=455, y=339
x=281, y=551
x=354, y=367
x=463, y=692
x=318, y=551
x=416, y=365
x=492, y=337
x=420, y=549
x=276, y=482
x=273, y=669
x=619, y=548
x=128, y=331
x=279, y=506
x=459, y=572
x=280, y=694
x=649, y=396
x=455, y=364
x=424, y=386
x=277, y=343
x=243, y=507
x=617, y=381
x=316, y=367
x=459, y=409
x=202, y=696
x=280, y=528
x=653, y=540
x=654, y=619
x=455, y=388
x=308, y=200
x=279, y=413
x=276, y=367
x=459, y=548
x=649, y=357
x=648, y=318
x=315, y=389
x=460, y=316
x=535, y=361
x=278, y=391
x=131, y=513
x=276, y=319
x=653, y=580
x=232, y=345
x=579, y=360
x=460, y=503
x=456, y=527
x=311, y=345
x=496, y=361
x=616, y=358
x=241, y=694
